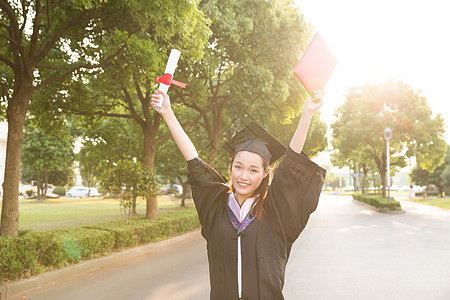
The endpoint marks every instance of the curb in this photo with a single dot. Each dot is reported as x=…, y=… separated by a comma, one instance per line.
x=23, y=285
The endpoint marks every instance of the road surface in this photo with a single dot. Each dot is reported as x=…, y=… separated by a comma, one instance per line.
x=347, y=251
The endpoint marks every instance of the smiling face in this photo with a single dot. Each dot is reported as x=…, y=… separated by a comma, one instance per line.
x=247, y=172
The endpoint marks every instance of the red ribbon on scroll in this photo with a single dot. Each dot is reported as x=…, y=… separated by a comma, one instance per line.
x=167, y=80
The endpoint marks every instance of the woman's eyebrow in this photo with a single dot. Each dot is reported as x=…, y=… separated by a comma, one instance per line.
x=251, y=166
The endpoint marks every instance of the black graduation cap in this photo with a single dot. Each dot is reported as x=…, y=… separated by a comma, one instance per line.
x=254, y=138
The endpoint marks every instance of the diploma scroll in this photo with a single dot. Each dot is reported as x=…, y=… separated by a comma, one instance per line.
x=164, y=85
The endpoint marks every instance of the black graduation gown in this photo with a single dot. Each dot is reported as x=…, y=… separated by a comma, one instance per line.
x=292, y=196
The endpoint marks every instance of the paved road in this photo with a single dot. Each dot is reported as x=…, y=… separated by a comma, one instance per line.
x=347, y=251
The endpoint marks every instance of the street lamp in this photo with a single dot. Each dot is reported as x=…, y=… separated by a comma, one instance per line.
x=387, y=137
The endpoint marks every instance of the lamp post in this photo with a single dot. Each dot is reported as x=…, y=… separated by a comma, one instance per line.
x=387, y=137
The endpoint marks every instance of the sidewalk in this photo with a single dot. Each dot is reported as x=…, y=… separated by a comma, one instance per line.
x=21, y=286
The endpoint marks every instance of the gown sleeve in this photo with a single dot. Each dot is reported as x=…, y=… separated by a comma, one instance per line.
x=294, y=192
x=209, y=190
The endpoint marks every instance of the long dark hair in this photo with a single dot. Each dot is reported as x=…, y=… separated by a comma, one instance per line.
x=257, y=208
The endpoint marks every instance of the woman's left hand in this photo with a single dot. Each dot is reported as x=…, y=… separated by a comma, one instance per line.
x=312, y=104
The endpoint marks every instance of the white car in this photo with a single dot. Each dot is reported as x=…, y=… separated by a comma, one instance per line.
x=82, y=191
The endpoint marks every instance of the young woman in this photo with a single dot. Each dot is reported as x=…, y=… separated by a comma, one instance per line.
x=250, y=227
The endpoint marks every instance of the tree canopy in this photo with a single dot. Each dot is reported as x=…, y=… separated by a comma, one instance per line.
x=246, y=72
x=101, y=57
x=438, y=177
x=368, y=110
x=52, y=44
x=44, y=154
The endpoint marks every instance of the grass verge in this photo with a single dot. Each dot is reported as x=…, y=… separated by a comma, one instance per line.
x=435, y=201
x=77, y=212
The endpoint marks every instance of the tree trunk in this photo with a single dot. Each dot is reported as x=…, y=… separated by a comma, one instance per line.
x=16, y=112
x=382, y=169
x=383, y=185
x=186, y=189
x=45, y=186
x=214, y=137
x=133, y=206
x=39, y=187
x=441, y=190
x=148, y=162
x=212, y=152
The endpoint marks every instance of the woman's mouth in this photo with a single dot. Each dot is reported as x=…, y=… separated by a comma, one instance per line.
x=243, y=185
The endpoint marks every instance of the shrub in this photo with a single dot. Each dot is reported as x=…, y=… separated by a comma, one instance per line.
x=428, y=194
x=17, y=258
x=22, y=256
x=103, y=190
x=127, y=181
x=378, y=202
x=172, y=191
x=59, y=190
x=33, y=252
x=77, y=244
x=140, y=230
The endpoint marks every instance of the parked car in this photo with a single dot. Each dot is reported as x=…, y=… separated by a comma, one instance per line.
x=82, y=191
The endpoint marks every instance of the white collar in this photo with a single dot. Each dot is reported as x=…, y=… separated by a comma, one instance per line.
x=240, y=212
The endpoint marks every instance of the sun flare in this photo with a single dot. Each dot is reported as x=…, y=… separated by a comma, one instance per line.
x=379, y=40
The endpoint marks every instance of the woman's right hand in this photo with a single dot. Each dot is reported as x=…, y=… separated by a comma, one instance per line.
x=157, y=97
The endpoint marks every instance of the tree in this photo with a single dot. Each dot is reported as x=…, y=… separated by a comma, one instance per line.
x=439, y=177
x=125, y=87
x=368, y=110
x=43, y=155
x=89, y=163
x=169, y=162
x=45, y=44
x=359, y=161
x=445, y=176
x=127, y=181
x=246, y=72
x=109, y=140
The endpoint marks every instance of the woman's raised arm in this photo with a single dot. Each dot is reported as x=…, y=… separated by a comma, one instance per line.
x=312, y=104
x=182, y=140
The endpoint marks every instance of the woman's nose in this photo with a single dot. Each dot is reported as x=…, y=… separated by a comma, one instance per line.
x=244, y=175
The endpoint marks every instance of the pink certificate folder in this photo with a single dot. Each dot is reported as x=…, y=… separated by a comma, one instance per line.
x=316, y=65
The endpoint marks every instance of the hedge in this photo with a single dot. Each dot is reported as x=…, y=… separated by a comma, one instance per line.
x=378, y=202
x=140, y=230
x=433, y=193
x=34, y=252
x=59, y=190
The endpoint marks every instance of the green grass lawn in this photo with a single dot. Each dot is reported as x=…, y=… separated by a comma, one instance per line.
x=77, y=212
x=435, y=201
